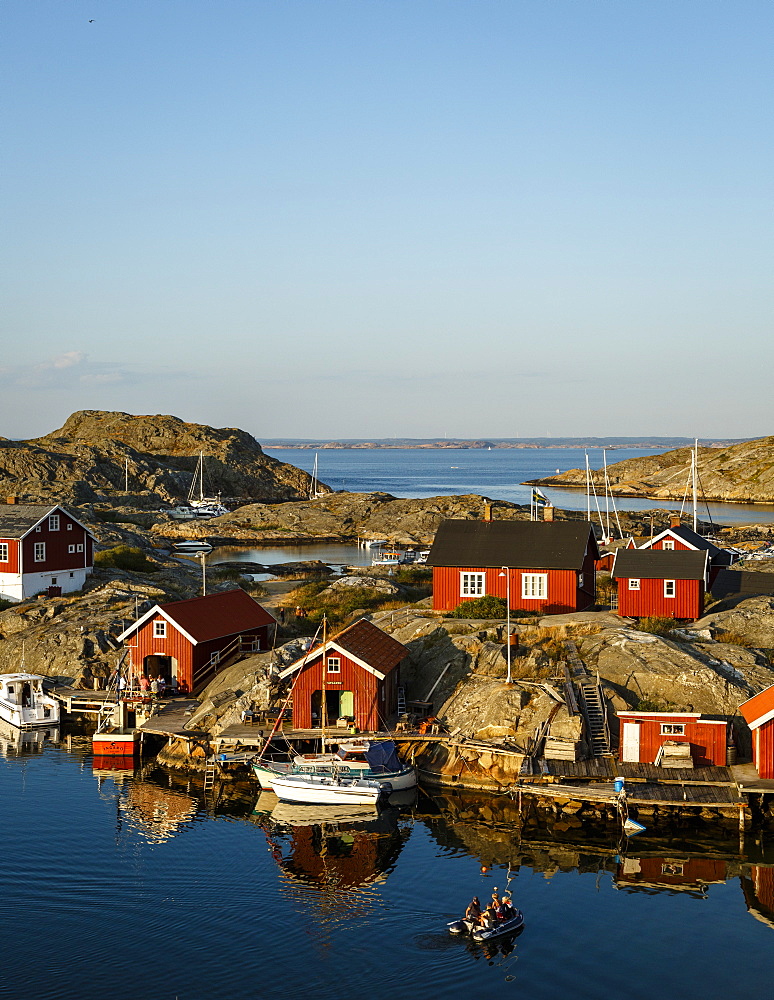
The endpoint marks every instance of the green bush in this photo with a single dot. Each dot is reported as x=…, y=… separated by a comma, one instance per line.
x=415, y=576
x=658, y=626
x=125, y=557
x=488, y=606
x=4, y=605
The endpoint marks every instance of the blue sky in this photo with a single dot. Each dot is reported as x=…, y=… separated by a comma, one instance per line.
x=389, y=217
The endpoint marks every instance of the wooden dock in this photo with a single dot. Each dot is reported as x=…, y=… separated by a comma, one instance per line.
x=171, y=719
x=77, y=701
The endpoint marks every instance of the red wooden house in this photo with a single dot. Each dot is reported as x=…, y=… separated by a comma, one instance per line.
x=660, y=584
x=189, y=640
x=679, y=537
x=643, y=733
x=362, y=674
x=43, y=549
x=759, y=715
x=544, y=566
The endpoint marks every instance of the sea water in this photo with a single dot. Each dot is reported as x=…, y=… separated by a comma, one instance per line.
x=137, y=885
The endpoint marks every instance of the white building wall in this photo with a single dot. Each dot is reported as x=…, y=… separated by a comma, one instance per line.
x=17, y=587
x=10, y=587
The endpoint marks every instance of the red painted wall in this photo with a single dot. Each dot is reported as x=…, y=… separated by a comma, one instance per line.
x=707, y=739
x=12, y=566
x=58, y=559
x=563, y=591
x=371, y=707
x=763, y=749
x=649, y=600
x=686, y=872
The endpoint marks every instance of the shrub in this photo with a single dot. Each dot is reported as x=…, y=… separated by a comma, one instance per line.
x=415, y=576
x=125, y=557
x=4, y=605
x=488, y=606
x=652, y=705
x=734, y=639
x=658, y=626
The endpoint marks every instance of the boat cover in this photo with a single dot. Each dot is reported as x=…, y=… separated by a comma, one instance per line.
x=383, y=757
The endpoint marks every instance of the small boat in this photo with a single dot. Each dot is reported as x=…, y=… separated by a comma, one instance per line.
x=115, y=743
x=387, y=557
x=201, y=505
x=632, y=827
x=422, y=556
x=192, y=545
x=23, y=702
x=181, y=513
x=374, y=760
x=325, y=789
x=478, y=933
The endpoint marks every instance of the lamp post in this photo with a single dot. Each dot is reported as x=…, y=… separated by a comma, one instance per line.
x=506, y=573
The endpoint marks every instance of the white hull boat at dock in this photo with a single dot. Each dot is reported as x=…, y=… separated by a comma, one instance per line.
x=370, y=760
x=327, y=790
x=24, y=704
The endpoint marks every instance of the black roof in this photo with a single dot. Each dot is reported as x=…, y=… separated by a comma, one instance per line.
x=738, y=583
x=518, y=544
x=658, y=564
x=690, y=537
x=16, y=519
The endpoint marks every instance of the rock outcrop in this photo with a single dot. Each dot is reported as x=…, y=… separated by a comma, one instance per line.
x=89, y=458
x=739, y=473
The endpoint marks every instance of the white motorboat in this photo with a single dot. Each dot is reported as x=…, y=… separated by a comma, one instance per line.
x=192, y=545
x=387, y=557
x=23, y=702
x=373, y=760
x=319, y=789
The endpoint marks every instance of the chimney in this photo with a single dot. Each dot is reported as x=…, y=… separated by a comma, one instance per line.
x=548, y=513
x=11, y=500
x=487, y=511
x=674, y=521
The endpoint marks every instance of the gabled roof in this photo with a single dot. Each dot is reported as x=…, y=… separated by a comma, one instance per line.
x=669, y=564
x=215, y=616
x=365, y=643
x=686, y=535
x=742, y=583
x=517, y=544
x=759, y=709
x=19, y=519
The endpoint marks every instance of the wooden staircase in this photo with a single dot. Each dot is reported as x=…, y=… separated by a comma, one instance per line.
x=594, y=712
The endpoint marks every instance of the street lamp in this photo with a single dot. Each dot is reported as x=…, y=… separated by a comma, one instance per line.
x=506, y=573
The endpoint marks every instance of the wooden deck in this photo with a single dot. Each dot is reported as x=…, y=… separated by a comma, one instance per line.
x=704, y=796
x=749, y=781
x=171, y=720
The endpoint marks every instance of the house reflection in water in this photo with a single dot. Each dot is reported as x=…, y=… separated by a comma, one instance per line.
x=758, y=889
x=154, y=812
x=692, y=875
x=330, y=860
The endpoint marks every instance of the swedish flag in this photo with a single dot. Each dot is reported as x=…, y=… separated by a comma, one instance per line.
x=539, y=498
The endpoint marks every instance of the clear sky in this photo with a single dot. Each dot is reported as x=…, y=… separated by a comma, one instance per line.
x=381, y=218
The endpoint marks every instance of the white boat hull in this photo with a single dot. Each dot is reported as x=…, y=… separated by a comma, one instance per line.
x=23, y=703
x=326, y=791
x=398, y=781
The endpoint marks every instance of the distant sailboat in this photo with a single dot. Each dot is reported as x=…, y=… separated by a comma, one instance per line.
x=205, y=506
x=314, y=486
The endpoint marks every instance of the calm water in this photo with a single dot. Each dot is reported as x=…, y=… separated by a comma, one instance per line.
x=497, y=474
x=135, y=887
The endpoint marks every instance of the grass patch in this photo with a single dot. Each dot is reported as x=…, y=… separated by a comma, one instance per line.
x=125, y=557
x=415, y=576
x=658, y=626
x=735, y=639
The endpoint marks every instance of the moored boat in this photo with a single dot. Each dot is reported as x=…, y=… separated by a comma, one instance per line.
x=318, y=789
x=114, y=743
x=192, y=545
x=373, y=760
x=23, y=702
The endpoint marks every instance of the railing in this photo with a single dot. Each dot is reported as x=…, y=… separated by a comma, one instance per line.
x=242, y=645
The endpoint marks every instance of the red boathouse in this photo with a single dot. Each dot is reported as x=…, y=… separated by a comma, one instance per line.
x=546, y=566
x=189, y=640
x=362, y=673
x=660, y=584
x=759, y=715
x=643, y=733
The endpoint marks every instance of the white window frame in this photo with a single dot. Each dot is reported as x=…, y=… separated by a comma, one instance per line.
x=71, y=548
x=670, y=588
x=534, y=586
x=53, y=522
x=673, y=729
x=472, y=584
x=580, y=580
x=69, y=527
x=79, y=547
x=668, y=545
x=333, y=665
x=40, y=551
x=159, y=629
x=634, y=583
x=4, y=557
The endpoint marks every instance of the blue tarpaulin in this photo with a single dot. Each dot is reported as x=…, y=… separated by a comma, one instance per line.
x=382, y=757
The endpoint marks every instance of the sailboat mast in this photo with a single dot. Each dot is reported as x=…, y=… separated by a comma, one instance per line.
x=694, y=473
x=588, y=489
x=324, y=705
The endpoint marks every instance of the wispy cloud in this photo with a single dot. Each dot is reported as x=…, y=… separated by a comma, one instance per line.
x=75, y=369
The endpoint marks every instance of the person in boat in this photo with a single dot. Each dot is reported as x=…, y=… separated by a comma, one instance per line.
x=496, y=901
x=473, y=912
x=507, y=910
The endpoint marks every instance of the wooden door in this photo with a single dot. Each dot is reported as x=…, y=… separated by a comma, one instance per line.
x=631, y=742
x=347, y=703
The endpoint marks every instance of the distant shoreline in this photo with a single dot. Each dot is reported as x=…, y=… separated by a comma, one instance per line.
x=495, y=444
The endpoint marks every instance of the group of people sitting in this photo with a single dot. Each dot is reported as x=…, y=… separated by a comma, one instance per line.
x=489, y=917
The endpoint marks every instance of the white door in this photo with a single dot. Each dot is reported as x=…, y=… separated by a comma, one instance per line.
x=631, y=742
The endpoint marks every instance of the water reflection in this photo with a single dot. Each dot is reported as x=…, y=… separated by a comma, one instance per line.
x=693, y=875
x=18, y=743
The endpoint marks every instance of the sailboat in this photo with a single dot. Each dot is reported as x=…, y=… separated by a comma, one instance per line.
x=203, y=506
x=314, y=485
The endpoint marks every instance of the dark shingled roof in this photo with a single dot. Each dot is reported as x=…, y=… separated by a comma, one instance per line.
x=218, y=615
x=741, y=583
x=650, y=564
x=517, y=544
x=16, y=519
x=364, y=641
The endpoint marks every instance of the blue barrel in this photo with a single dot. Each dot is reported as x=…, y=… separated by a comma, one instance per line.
x=618, y=784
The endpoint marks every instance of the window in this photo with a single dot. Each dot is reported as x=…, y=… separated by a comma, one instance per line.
x=580, y=579
x=53, y=581
x=3, y=551
x=159, y=630
x=472, y=584
x=40, y=551
x=669, y=588
x=534, y=585
x=71, y=548
x=334, y=665
x=634, y=584
x=79, y=547
x=673, y=729
x=673, y=868
x=69, y=527
x=72, y=575
x=38, y=528
x=53, y=522
x=667, y=545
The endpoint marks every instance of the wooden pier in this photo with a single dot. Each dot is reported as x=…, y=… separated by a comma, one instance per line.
x=76, y=701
